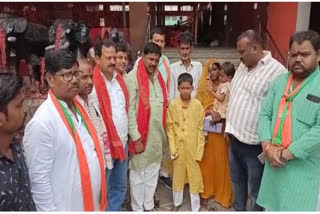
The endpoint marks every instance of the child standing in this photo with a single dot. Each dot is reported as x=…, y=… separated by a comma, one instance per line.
x=186, y=140
x=221, y=101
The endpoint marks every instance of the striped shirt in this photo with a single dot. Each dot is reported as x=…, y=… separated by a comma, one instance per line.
x=248, y=90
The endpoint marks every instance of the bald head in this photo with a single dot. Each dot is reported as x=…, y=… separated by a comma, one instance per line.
x=252, y=36
x=250, y=48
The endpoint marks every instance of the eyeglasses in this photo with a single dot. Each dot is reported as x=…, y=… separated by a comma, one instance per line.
x=69, y=75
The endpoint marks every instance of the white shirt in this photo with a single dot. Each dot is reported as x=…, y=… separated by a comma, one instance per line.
x=247, y=93
x=118, y=105
x=53, y=163
x=178, y=68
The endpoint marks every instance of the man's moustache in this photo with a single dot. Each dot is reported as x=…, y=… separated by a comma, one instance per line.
x=298, y=64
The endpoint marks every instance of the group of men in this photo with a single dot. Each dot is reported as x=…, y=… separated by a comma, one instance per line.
x=78, y=143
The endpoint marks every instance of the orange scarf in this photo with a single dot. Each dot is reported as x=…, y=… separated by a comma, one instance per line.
x=282, y=130
x=116, y=147
x=87, y=194
x=143, y=115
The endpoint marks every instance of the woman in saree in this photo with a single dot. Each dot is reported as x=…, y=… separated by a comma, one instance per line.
x=214, y=165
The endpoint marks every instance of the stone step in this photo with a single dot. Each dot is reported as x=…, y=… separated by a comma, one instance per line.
x=206, y=49
x=235, y=62
x=203, y=54
x=206, y=55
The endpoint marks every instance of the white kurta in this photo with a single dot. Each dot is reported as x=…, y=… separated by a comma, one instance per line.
x=53, y=163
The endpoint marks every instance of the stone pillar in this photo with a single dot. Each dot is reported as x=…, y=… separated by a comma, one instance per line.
x=303, y=16
x=138, y=25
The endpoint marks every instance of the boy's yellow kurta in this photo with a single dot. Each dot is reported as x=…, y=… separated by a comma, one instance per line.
x=186, y=140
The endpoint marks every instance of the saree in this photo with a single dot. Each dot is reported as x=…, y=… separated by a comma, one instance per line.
x=214, y=164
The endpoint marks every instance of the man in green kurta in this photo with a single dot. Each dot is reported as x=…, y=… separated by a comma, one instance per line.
x=157, y=36
x=147, y=111
x=289, y=129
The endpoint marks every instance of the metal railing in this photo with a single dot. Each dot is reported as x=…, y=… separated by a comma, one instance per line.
x=276, y=53
x=146, y=36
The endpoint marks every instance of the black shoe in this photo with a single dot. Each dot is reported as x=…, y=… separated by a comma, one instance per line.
x=166, y=181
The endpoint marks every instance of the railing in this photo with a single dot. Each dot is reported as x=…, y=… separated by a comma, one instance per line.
x=188, y=21
x=276, y=53
x=146, y=36
x=189, y=24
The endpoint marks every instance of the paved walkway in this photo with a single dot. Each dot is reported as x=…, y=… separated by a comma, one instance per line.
x=166, y=200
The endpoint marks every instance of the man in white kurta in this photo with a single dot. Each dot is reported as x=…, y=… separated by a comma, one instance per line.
x=50, y=149
x=117, y=176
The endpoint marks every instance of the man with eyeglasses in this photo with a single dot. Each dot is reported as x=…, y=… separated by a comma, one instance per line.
x=289, y=129
x=61, y=145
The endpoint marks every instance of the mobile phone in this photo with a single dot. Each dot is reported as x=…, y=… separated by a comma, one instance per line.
x=262, y=158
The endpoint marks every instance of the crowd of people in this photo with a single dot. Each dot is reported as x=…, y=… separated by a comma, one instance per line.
x=247, y=136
